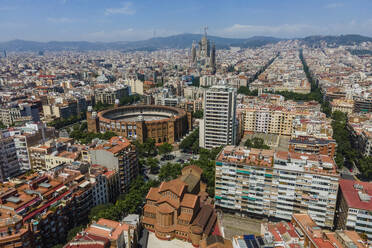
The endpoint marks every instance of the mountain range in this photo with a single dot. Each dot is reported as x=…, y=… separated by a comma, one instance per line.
x=176, y=41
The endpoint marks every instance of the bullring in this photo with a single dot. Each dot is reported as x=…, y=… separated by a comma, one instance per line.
x=161, y=123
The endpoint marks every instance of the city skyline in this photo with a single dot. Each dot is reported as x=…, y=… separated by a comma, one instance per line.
x=93, y=20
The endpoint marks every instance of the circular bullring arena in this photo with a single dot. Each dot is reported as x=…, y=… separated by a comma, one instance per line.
x=161, y=123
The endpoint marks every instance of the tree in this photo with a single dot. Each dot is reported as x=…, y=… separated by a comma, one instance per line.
x=198, y=114
x=80, y=133
x=188, y=142
x=165, y=148
x=150, y=147
x=195, y=146
x=128, y=203
x=153, y=164
x=256, y=143
x=58, y=246
x=169, y=172
x=72, y=233
x=127, y=100
x=207, y=162
x=106, y=211
x=99, y=106
x=246, y=91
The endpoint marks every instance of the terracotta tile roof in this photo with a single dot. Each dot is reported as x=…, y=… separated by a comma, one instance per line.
x=153, y=194
x=354, y=236
x=87, y=240
x=165, y=208
x=173, y=202
x=114, y=145
x=149, y=208
x=176, y=186
x=323, y=243
x=191, y=180
x=205, y=219
x=351, y=195
x=103, y=226
x=192, y=167
x=189, y=200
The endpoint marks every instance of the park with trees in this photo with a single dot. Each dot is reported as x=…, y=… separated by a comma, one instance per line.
x=256, y=143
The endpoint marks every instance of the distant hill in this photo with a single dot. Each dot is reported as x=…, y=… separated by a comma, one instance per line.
x=349, y=39
x=23, y=45
x=185, y=41
x=176, y=41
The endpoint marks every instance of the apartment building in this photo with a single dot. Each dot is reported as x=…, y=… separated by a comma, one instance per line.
x=319, y=146
x=9, y=165
x=38, y=153
x=192, y=106
x=106, y=184
x=120, y=155
x=360, y=127
x=315, y=125
x=208, y=80
x=343, y=105
x=106, y=234
x=26, y=136
x=136, y=86
x=363, y=104
x=57, y=158
x=276, y=184
x=13, y=233
x=273, y=120
x=107, y=94
x=219, y=125
x=354, y=207
x=48, y=204
x=312, y=236
x=21, y=112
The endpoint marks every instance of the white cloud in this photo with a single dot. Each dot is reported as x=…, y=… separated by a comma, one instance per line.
x=126, y=9
x=297, y=30
x=284, y=30
x=334, y=5
x=60, y=20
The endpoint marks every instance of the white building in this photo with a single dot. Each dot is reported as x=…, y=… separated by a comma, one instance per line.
x=136, y=86
x=9, y=166
x=355, y=207
x=219, y=125
x=100, y=189
x=277, y=184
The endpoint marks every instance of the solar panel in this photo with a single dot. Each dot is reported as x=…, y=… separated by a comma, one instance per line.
x=248, y=237
x=255, y=243
x=248, y=242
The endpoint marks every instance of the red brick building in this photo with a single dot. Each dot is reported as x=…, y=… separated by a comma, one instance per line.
x=180, y=209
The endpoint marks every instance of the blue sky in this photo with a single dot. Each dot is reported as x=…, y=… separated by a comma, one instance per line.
x=116, y=20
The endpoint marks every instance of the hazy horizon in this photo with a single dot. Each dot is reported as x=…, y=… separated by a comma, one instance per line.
x=93, y=41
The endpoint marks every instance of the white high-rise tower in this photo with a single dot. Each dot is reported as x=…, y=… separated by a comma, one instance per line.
x=219, y=125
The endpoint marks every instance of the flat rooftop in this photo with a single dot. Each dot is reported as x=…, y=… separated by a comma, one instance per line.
x=154, y=242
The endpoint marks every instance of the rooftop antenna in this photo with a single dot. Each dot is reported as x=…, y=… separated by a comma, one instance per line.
x=154, y=33
x=205, y=30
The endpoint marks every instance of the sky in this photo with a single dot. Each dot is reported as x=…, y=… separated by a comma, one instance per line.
x=117, y=20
